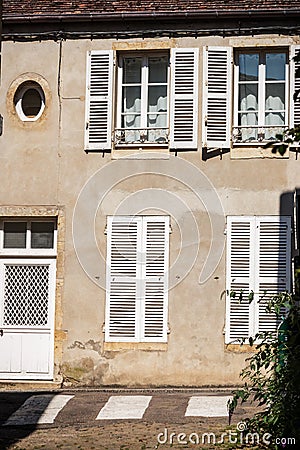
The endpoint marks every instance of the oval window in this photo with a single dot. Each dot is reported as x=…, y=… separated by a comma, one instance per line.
x=29, y=101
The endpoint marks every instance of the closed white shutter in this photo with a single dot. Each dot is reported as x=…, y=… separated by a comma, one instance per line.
x=137, y=282
x=274, y=250
x=98, y=129
x=184, y=98
x=240, y=265
x=122, y=278
x=217, y=97
x=295, y=86
x=156, y=238
x=258, y=261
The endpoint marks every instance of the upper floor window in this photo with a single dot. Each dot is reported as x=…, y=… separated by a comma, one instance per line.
x=142, y=99
x=248, y=95
x=261, y=95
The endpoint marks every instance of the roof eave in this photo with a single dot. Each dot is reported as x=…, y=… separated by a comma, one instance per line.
x=152, y=15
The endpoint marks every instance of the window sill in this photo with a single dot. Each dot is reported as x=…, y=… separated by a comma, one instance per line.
x=247, y=151
x=238, y=348
x=131, y=152
x=144, y=346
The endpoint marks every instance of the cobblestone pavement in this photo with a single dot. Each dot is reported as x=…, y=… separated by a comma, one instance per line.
x=119, y=420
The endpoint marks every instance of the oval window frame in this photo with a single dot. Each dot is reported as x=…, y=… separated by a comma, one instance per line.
x=28, y=77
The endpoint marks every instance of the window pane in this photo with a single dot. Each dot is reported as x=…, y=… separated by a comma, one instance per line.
x=132, y=99
x=248, y=97
x=158, y=69
x=275, y=96
x=248, y=63
x=15, y=234
x=131, y=121
x=132, y=70
x=42, y=234
x=275, y=66
x=250, y=118
x=157, y=99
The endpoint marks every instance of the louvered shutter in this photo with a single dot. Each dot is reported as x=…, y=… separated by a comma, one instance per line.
x=137, y=281
x=295, y=86
x=217, y=93
x=98, y=132
x=258, y=260
x=123, y=236
x=156, y=241
x=274, y=259
x=184, y=99
x=240, y=265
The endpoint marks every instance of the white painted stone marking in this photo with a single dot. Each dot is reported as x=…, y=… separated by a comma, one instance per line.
x=208, y=406
x=125, y=407
x=38, y=409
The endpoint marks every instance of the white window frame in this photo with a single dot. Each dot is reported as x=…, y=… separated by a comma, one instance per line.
x=144, y=97
x=28, y=251
x=261, y=91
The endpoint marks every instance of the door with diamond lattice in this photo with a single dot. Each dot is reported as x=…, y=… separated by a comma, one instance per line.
x=27, y=294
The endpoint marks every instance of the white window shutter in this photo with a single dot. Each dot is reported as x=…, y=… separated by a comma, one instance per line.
x=184, y=98
x=122, y=288
x=274, y=261
x=137, y=279
x=98, y=129
x=295, y=86
x=217, y=97
x=156, y=246
x=240, y=263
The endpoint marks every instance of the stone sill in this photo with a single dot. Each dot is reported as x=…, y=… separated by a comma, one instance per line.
x=144, y=346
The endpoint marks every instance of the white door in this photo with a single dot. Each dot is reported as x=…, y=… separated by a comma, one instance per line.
x=27, y=293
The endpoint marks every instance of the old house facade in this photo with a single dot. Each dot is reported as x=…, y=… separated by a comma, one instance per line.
x=137, y=190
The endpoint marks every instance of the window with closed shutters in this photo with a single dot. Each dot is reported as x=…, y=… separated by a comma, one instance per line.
x=137, y=279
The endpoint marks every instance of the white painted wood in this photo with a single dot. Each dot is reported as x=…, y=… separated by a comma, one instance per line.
x=27, y=345
x=217, y=97
x=99, y=100
x=137, y=279
x=294, y=86
x=184, y=98
x=124, y=407
x=208, y=406
x=258, y=261
x=38, y=409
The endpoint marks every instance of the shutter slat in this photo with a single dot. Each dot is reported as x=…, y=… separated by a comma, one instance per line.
x=216, y=97
x=184, y=99
x=239, y=273
x=156, y=278
x=274, y=265
x=295, y=86
x=122, y=257
x=99, y=100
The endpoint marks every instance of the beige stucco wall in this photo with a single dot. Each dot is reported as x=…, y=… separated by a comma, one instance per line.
x=44, y=163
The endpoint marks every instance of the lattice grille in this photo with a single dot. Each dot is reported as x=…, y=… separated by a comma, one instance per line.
x=26, y=295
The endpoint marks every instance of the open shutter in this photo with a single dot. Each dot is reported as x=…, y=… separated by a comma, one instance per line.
x=184, y=98
x=295, y=86
x=240, y=243
x=156, y=241
x=122, y=253
x=274, y=265
x=217, y=101
x=98, y=130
